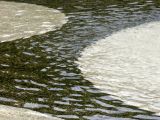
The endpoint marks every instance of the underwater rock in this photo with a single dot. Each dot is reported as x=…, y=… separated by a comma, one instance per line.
x=22, y=20
x=127, y=65
x=13, y=113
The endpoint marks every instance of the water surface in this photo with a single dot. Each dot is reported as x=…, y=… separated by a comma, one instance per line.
x=126, y=65
x=40, y=72
x=22, y=20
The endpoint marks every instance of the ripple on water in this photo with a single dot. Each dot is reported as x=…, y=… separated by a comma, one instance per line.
x=46, y=62
x=25, y=20
x=126, y=65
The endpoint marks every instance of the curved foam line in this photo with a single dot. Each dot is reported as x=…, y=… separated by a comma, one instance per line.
x=22, y=20
x=127, y=65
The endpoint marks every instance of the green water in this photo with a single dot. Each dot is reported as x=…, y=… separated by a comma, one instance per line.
x=40, y=73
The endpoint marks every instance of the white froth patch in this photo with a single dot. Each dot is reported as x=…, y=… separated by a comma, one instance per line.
x=22, y=20
x=127, y=65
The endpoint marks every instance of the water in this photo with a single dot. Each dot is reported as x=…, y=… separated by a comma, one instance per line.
x=14, y=113
x=126, y=65
x=23, y=20
x=40, y=72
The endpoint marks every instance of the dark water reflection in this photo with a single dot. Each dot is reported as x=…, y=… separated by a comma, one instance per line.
x=39, y=72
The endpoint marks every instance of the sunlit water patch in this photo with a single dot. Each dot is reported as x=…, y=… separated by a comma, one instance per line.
x=8, y=113
x=21, y=20
x=127, y=65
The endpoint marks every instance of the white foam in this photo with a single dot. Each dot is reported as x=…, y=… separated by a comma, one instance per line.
x=127, y=65
x=22, y=20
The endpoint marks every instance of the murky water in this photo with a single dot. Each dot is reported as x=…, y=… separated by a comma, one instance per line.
x=40, y=72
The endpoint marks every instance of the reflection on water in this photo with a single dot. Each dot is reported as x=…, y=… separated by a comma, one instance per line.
x=126, y=64
x=21, y=20
x=40, y=73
